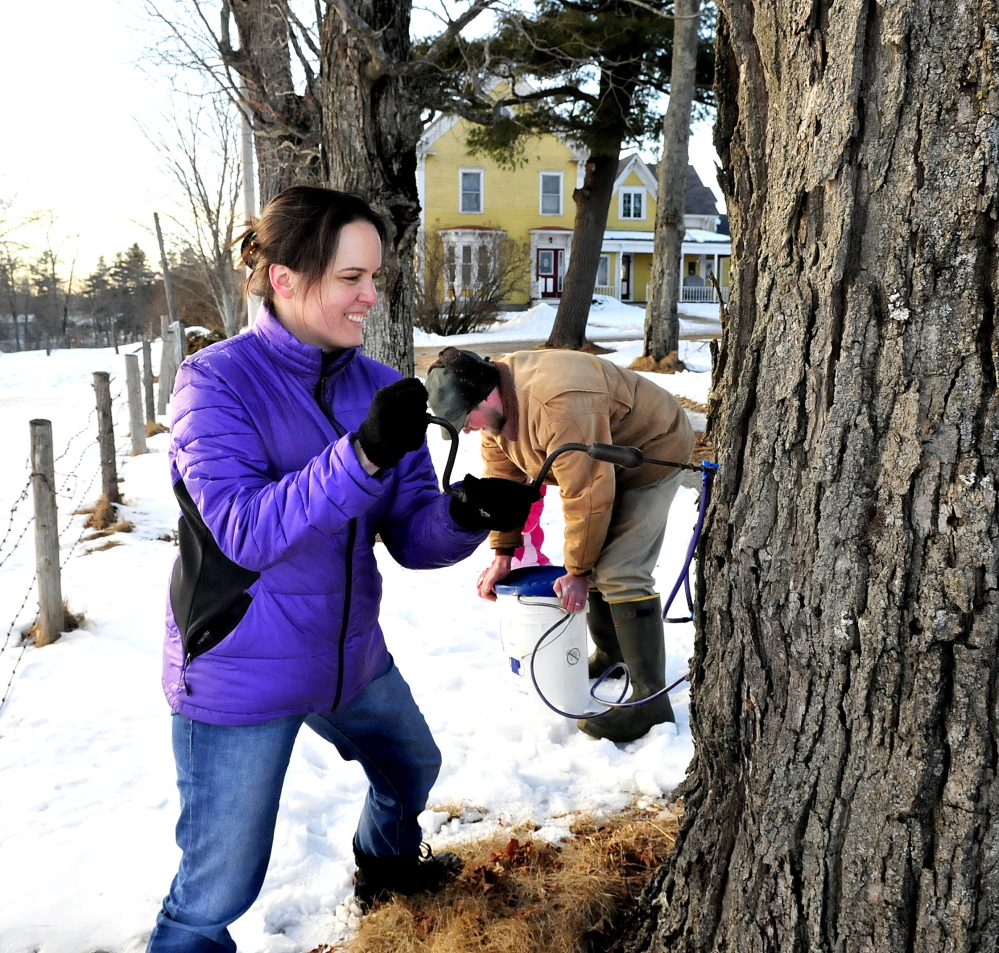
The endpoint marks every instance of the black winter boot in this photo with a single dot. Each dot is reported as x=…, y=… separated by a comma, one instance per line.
x=377, y=877
x=601, y=625
x=640, y=635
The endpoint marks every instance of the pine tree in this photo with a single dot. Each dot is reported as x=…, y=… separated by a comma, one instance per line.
x=597, y=69
x=99, y=300
x=132, y=284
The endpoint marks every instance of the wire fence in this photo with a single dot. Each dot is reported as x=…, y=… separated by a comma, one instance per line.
x=73, y=485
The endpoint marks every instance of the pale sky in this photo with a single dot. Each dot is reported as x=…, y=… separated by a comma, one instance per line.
x=71, y=139
x=72, y=143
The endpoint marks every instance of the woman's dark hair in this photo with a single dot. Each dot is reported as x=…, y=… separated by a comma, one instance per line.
x=300, y=228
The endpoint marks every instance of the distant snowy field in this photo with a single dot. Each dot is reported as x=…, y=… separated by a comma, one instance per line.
x=87, y=793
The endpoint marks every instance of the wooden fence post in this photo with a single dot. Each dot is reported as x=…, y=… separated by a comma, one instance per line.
x=135, y=422
x=50, y=612
x=179, y=349
x=166, y=355
x=105, y=437
x=147, y=381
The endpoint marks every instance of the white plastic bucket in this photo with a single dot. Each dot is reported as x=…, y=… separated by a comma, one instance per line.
x=528, y=608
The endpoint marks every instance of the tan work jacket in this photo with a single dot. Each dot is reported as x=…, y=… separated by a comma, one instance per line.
x=571, y=397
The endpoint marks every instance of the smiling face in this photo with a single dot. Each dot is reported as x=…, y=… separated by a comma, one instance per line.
x=331, y=313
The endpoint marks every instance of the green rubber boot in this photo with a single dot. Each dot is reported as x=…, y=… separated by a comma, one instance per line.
x=639, y=627
x=601, y=625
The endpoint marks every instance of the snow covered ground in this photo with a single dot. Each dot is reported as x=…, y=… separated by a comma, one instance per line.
x=87, y=794
x=609, y=320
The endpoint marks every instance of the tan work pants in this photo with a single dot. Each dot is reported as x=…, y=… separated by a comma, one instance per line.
x=634, y=539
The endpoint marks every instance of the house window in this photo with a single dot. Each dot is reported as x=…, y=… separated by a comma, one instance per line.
x=603, y=272
x=467, y=266
x=551, y=193
x=471, y=190
x=470, y=257
x=633, y=203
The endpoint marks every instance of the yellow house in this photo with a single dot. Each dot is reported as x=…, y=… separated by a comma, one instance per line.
x=473, y=205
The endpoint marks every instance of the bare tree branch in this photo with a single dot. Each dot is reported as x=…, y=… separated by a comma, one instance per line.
x=203, y=159
x=381, y=63
x=660, y=13
x=219, y=72
x=455, y=27
x=310, y=73
x=290, y=15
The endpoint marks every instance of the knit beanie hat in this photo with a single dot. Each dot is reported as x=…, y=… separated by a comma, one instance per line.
x=457, y=382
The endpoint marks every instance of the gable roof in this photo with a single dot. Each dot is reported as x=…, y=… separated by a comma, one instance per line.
x=447, y=121
x=633, y=163
x=700, y=200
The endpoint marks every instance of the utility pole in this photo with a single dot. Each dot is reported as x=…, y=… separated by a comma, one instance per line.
x=167, y=286
x=249, y=194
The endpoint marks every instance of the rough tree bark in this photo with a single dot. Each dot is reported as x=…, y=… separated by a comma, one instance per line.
x=287, y=128
x=844, y=693
x=662, y=325
x=373, y=125
x=592, y=200
x=618, y=83
x=373, y=94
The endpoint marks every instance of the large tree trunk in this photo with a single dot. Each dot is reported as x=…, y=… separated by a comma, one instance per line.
x=844, y=685
x=287, y=130
x=372, y=127
x=592, y=204
x=662, y=324
x=618, y=83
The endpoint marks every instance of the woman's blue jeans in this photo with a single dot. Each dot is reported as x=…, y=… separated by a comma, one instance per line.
x=230, y=782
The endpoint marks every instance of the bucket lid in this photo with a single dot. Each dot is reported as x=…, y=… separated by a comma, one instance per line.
x=530, y=581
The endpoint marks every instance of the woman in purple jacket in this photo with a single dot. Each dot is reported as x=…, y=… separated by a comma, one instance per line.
x=290, y=452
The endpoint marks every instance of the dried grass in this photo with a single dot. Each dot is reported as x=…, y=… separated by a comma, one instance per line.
x=110, y=544
x=99, y=516
x=118, y=526
x=670, y=364
x=528, y=896
x=692, y=405
x=589, y=347
x=70, y=622
x=154, y=427
x=704, y=448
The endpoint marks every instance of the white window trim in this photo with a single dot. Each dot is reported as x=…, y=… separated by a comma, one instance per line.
x=475, y=239
x=607, y=272
x=632, y=190
x=482, y=190
x=541, y=194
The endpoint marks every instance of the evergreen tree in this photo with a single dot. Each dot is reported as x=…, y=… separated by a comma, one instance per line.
x=99, y=301
x=597, y=68
x=47, y=289
x=13, y=299
x=132, y=282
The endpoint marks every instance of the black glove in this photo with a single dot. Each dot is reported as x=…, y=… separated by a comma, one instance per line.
x=493, y=504
x=396, y=422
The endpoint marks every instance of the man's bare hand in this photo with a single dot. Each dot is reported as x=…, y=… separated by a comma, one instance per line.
x=495, y=572
x=571, y=591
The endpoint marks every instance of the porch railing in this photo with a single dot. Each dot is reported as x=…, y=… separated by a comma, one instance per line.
x=702, y=295
x=689, y=293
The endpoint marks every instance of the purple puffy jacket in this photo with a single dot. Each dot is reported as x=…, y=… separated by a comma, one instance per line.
x=273, y=606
